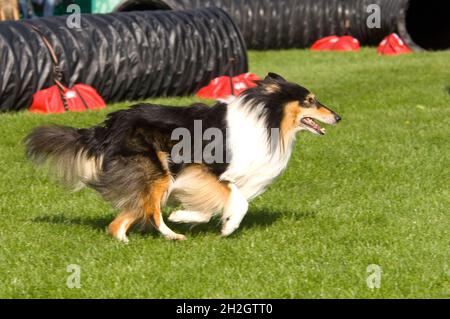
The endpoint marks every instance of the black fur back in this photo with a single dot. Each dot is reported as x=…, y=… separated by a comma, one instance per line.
x=146, y=128
x=119, y=158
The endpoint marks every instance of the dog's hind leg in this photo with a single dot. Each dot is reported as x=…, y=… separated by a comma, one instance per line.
x=152, y=208
x=138, y=186
x=120, y=226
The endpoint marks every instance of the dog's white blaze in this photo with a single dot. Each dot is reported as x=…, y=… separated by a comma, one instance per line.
x=254, y=165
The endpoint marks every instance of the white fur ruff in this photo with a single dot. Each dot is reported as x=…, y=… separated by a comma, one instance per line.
x=254, y=164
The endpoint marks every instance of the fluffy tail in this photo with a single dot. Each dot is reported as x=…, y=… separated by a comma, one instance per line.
x=68, y=158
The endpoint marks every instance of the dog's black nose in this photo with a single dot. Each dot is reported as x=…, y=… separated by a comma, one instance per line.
x=337, y=118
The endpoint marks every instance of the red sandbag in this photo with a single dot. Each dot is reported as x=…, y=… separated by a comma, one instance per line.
x=58, y=99
x=335, y=43
x=220, y=87
x=393, y=45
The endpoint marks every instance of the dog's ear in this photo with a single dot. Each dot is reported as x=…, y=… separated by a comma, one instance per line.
x=274, y=76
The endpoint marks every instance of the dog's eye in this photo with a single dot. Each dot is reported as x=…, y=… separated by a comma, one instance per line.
x=309, y=102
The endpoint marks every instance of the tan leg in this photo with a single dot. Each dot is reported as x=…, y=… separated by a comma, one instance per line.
x=152, y=208
x=120, y=226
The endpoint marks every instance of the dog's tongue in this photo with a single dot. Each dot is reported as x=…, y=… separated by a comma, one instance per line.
x=309, y=121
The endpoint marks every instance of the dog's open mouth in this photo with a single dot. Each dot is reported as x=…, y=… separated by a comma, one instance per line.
x=312, y=126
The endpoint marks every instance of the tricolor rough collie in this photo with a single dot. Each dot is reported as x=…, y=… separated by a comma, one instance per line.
x=209, y=160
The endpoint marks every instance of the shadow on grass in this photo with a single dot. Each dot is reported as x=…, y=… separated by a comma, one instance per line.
x=254, y=219
x=98, y=223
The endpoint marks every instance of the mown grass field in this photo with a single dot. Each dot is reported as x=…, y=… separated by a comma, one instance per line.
x=374, y=190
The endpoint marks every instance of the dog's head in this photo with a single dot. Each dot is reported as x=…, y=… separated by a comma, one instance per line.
x=291, y=106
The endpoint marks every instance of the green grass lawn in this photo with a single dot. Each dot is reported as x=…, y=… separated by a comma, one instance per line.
x=374, y=190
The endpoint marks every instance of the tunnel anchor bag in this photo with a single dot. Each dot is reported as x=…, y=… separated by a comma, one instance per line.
x=59, y=99
x=393, y=45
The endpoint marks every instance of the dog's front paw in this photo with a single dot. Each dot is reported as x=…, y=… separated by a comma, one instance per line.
x=121, y=237
x=228, y=228
x=175, y=236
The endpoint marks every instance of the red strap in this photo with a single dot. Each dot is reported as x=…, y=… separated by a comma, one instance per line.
x=54, y=57
x=231, y=61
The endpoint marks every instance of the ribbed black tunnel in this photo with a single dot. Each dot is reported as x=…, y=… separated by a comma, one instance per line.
x=428, y=24
x=276, y=24
x=124, y=56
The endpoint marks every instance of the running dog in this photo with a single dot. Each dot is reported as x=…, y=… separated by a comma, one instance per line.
x=134, y=158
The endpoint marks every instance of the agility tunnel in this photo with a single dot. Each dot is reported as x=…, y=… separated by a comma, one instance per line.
x=276, y=24
x=124, y=56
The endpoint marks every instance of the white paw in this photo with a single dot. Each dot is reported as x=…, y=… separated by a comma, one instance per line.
x=229, y=227
x=122, y=237
x=175, y=236
x=185, y=216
